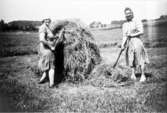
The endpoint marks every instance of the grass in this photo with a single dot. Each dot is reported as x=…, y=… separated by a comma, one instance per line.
x=20, y=85
x=107, y=90
x=14, y=44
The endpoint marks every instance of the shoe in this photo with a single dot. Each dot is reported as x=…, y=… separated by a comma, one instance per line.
x=42, y=81
x=51, y=86
x=133, y=77
x=143, y=78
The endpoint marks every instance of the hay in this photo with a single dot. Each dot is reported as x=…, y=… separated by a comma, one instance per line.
x=105, y=76
x=76, y=51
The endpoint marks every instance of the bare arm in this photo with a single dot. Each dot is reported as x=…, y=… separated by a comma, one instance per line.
x=139, y=30
x=60, y=36
x=44, y=41
x=136, y=34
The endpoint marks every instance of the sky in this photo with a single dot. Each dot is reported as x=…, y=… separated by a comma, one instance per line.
x=86, y=10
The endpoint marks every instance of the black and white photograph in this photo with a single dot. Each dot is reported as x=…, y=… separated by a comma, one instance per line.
x=83, y=56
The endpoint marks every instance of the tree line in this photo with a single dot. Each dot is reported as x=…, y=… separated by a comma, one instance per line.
x=19, y=26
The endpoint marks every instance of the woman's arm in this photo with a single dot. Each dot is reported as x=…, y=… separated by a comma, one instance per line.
x=60, y=36
x=136, y=34
x=44, y=41
x=139, y=30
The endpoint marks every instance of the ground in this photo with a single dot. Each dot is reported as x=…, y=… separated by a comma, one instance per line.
x=19, y=90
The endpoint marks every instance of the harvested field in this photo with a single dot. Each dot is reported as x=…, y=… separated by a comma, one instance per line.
x=101, y=92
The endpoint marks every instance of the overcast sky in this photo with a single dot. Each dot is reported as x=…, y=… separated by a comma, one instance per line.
x=86, y=10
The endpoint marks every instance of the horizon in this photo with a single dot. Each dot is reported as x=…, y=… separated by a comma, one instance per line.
x=80, y=19
x=85, y=10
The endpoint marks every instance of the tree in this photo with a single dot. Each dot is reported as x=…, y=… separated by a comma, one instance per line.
x=2, y=25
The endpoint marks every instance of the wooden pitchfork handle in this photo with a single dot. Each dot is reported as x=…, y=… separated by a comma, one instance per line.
x=120, y=54
x=118, y=58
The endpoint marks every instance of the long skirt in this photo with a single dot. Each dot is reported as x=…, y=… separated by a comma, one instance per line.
x=46, y=59
x=136, y=54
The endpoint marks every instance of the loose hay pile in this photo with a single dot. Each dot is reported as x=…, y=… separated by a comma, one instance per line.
x=76, y=51
x=106, y=76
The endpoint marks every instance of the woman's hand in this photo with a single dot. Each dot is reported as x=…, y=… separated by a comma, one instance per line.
x=134, y=33
x=52, y=48
x=122, y=47
x=129, y=35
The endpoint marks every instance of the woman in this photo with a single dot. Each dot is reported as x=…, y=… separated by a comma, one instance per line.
x=47, y=59
x=136, y=55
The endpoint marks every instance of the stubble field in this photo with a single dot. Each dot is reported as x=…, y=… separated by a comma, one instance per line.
x=19, y=90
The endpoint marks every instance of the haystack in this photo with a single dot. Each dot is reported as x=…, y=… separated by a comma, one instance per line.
x=76, y=51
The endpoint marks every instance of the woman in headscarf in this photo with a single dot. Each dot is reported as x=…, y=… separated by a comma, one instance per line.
x=136, y=55
x=46, y=54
